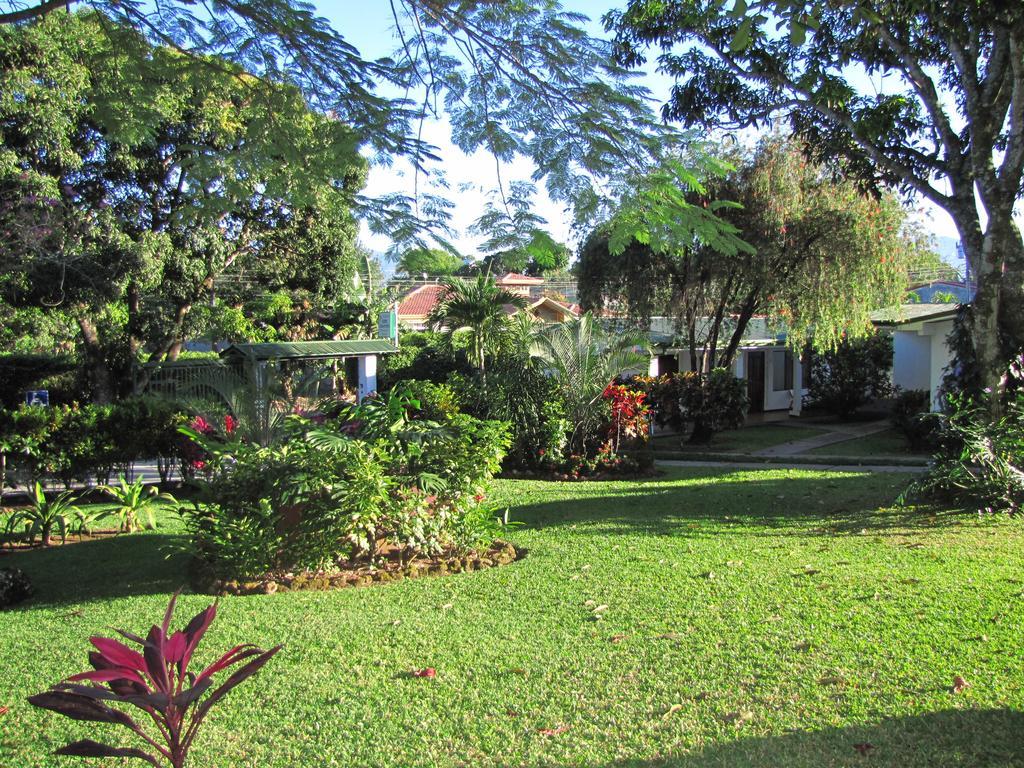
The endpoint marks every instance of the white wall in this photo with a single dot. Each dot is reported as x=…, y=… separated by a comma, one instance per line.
x=912, y=360
x=940, y=356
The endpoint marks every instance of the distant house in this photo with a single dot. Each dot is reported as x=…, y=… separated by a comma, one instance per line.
x=920, y=351
x=415, y=306
x=777, y=379
x=927, y=292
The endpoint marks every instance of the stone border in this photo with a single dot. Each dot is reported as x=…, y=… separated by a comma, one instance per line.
x=500, y=553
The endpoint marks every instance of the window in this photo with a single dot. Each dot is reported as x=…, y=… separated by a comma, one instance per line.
x=782, y=370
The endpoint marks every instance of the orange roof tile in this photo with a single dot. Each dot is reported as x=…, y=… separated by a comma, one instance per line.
x=515, y=278
x=420, y=301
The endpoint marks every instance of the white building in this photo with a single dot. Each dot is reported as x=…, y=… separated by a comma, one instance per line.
x=920, y=352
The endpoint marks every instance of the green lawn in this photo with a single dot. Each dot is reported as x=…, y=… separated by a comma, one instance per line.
x=754, y=618
x=887, y=443
x=744, y=440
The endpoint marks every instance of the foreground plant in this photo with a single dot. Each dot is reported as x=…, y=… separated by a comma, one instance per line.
x=156, y=681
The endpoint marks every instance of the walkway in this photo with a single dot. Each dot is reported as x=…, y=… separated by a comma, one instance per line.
x=837, y=433
x=783, y=465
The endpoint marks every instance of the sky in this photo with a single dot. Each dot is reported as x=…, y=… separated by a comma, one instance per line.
x=369, y=25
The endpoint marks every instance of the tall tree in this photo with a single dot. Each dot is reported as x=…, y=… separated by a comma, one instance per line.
x=518, y=80
x=132, y=177
x=924, y=95
x=432, y=262
x=818, y=256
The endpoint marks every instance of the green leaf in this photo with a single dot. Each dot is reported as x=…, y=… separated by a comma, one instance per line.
x=741, y=39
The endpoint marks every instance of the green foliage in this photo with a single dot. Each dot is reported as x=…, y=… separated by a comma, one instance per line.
x=804, y=247
x=423, y=356
x=69, y=443
x=911, y=415
x=133, y=501
x=475, y=309
x=980, y=463
x=432, y=262
x=19, y=373
x=43, y=516
x=936, y=127
x=700, y=403
x=386, y=480
x=854, y=374
x=583, y=359
x=133, y=178
x=519, y=393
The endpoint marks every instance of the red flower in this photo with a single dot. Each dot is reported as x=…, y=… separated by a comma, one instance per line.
x=230, y=422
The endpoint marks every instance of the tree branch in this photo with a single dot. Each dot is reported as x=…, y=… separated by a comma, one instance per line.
x=33, y=12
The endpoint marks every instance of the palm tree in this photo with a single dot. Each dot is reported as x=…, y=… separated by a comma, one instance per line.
x=478, y=309
x=584, y=359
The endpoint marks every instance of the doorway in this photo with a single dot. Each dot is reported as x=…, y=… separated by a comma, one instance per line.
x=755, y=381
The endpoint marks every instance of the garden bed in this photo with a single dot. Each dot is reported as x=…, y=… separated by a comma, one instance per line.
x=389, y=568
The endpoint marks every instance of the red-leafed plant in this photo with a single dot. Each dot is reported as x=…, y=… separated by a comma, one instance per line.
x=156, y=681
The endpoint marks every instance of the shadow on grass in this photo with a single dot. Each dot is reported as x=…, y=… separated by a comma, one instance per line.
x=970, y=738
x=102, y=569
x=718, y=500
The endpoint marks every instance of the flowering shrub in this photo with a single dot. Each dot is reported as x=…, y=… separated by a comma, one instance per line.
x=156, y=681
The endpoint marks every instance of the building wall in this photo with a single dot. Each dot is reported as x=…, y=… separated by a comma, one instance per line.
x=912, y=360
x=940, y=356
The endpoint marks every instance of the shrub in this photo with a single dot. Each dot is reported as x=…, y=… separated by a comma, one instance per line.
x=521, y=395
x=15, y=587
x=852, y=375
x=424, y=356
x=981, y=461
x=72, y=442
x=911, y=415
x=157, y=681
x=701, y=403
x=385, y=480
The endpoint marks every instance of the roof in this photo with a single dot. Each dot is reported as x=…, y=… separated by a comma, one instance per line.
x=913, y=313
x=311, y=350
x=558, y=306
x=420, y=301
x=516, y=278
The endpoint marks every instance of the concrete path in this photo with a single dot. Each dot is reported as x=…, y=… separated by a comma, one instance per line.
x=837, y=433
x=780, y=465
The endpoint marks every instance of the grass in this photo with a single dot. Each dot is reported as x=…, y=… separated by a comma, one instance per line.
x=754, y=618
x=743, y=440
x=887, y=443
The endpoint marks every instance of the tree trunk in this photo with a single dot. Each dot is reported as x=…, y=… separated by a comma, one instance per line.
x=99, y=373
x=997, y=260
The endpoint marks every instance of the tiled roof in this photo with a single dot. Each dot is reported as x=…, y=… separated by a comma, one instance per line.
x=420, y=301
x=515, y=278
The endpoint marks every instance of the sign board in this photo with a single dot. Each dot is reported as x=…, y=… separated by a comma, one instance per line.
x=37, y=397
x=387, y=325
